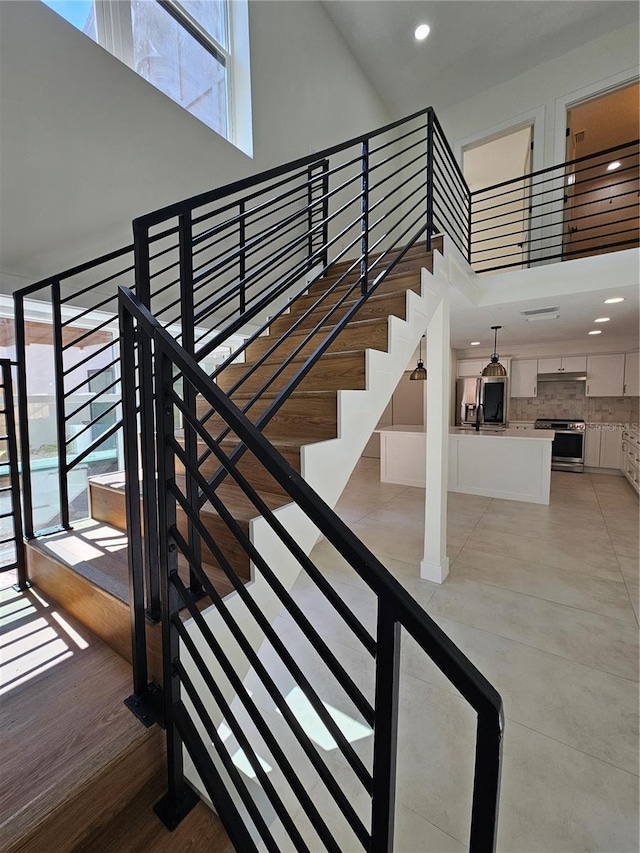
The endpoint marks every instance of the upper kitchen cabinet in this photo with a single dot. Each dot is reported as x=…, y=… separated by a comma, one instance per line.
x=524, y=378
x=632, y=374
x=470, y=368
x=570, y=364
x=467, y=368
x=605, y=375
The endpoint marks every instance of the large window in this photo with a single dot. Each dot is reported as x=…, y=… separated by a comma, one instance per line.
x=195, y=51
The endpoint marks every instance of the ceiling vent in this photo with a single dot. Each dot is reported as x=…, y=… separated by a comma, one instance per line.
x=541, y=314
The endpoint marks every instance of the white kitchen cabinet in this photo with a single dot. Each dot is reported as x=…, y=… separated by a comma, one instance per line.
x=567, y=364
x=522, y=425
x=467, y=367
x=603, y=446
x=470, y=368
x=524, y=378
x=605, y=375
x=632, y=375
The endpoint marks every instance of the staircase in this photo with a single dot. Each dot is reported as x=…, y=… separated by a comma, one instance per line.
x=231, y=481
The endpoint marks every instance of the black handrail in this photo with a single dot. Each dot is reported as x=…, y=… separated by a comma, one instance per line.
x=396, y=609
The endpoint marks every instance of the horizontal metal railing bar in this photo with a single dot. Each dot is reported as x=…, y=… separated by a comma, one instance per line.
x=439, y=133
x=71, y=391
x=265, y=626
x=154, y=217
x=455, y=190
x=334, y=599
x=77, y=270
x=237, y=730
x=561, y=191
x=4, y=488
x=87, y=334
x=165, y=287
x=80, y=457
x=443, y=163
x=249, y=245
x=92, y=399
x=92, y=423
x=226, y=759
x=76, y=293
x=269, y=684
x=374, y=149
x=543, y=238
x=90, y=357
x=447, y=213
x=574, y=241
x=11, y=538
x=234, y=824
x=561, y=174
x=448, y=229
x=562, y=165
x=564, y=255
x=263, y=728
x=245, y=745
x=155, y=274
x=394, y=158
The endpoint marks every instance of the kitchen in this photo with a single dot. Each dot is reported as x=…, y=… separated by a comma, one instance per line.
x=588, y=400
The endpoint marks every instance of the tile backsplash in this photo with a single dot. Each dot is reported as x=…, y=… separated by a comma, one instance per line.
x=568, y=400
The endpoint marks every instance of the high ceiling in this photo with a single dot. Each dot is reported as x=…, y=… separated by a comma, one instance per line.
x=473, y=44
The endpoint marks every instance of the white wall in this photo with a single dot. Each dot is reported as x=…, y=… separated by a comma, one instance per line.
x=596, y=65
x=87, y=145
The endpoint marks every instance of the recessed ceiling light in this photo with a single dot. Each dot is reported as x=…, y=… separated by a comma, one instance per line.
x=614, y=299
x=474, y=344
x=612, y=166
x=596, y=332
x=422, y=32
x=602, y=320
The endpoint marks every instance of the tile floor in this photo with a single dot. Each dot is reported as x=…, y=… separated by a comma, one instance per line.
x=544, y=601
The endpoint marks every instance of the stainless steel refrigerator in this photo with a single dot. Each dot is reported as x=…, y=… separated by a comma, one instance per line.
x=483, y=398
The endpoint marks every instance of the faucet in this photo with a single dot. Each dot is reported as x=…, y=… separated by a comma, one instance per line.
x=479, y=416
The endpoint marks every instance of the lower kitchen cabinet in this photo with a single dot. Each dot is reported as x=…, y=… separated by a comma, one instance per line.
x=631, y=458
x=603, y=446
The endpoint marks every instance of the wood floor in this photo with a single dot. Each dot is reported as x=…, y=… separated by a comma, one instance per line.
x=78, y=770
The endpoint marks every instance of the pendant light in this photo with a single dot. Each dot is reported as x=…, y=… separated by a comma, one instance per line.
x=420, y=371
x=494, y=368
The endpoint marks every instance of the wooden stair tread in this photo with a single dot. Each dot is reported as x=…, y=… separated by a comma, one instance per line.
x=62, y=706
x=348, y=303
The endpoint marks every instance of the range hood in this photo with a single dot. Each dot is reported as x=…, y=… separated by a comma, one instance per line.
x=562, y=377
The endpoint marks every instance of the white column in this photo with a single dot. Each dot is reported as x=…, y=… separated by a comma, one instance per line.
x=435, y=563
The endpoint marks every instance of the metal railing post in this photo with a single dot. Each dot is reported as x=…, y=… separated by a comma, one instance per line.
x=147, y=427
x=364, y=221
x=386, y=730
x=325, y=213
x=242, y=257
x=23, y=414
x=179, y=798
x=14, y=475
x=486, y=783
x=188, y=391
x=61, y=430
x=430, y=180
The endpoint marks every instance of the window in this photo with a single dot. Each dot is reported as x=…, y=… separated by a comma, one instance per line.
x=195, y=51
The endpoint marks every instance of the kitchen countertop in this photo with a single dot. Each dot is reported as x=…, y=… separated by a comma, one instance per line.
x=537, y=435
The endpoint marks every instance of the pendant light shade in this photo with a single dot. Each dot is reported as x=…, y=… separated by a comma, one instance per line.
x=494, y=368
x=420, y=371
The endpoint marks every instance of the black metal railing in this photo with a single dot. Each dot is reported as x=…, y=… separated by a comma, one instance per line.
x=580, y=208
x=197, y=702
x=12, y=555
x=218, y=264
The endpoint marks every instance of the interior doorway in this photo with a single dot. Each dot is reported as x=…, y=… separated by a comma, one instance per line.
x=492, y=161
x=601, y=199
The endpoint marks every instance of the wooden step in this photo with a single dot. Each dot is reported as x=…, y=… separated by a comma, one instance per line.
x=312, y=413
x=359, y=334
x=376, y=307
x=248, y=466
x=334, y=371
x=73, y=754
x=415, y=252
x=409, y=279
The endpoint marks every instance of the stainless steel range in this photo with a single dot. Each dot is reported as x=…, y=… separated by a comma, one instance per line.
x=567, y=448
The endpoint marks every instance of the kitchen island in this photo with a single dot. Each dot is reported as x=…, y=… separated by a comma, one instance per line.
x=510, y=464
